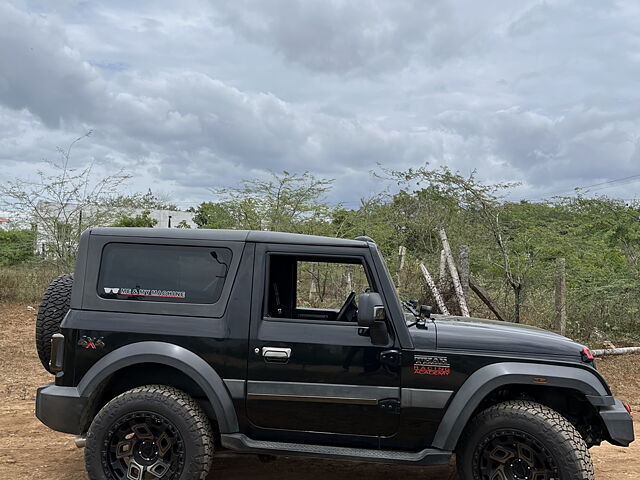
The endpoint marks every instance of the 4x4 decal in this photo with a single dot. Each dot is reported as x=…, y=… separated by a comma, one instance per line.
x=91, y=343
x=431, y=365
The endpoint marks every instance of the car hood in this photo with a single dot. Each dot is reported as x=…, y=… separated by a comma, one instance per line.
x=476, y=334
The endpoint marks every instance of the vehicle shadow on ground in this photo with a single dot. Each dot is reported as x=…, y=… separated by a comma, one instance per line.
x=243, y=467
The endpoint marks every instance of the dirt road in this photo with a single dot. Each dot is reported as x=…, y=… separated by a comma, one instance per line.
x=30, y=451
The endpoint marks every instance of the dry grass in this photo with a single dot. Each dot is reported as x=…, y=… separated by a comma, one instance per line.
x=26, y=282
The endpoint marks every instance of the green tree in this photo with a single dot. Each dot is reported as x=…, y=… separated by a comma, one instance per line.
x=16, y=246
x=141, y=220
x=64, y=203
x=147, y=201
x=454, y=196
x=285, y=202
x=214, y=215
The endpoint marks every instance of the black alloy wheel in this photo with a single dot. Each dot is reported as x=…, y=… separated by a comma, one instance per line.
x=143, y=446
x=522, y=440
x=513, y=455
x=153, y=432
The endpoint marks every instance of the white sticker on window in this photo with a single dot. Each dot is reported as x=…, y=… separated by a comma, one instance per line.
x=145, y=292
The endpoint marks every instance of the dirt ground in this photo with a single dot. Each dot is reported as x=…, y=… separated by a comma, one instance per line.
x=29, y=450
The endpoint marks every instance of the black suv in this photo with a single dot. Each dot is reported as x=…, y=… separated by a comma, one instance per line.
x=173, y=342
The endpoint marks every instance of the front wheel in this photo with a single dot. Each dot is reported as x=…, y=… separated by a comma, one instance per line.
x=522, y=440
x=151, y=432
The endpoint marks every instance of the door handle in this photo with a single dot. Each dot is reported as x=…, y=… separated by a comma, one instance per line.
x=276, y=354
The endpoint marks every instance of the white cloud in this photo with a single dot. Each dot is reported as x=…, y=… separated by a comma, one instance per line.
x=361, y=38
x=206, y=93
x=40, y=71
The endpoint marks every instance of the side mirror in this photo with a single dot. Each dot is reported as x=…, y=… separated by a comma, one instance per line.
x=370, y=309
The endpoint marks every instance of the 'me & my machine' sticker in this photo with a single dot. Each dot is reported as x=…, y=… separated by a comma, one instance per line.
x=145, y=292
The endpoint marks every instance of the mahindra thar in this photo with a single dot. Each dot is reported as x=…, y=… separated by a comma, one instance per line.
x=168, y=344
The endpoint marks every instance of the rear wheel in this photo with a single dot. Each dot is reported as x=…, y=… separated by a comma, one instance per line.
x=150, y=432
x=522, y=440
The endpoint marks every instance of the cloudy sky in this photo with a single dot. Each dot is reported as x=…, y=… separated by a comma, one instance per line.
x=194, y=95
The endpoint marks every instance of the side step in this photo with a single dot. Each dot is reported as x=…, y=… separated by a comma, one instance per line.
x=243, y=444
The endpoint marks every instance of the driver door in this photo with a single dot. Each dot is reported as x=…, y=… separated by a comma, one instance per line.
x=311, y=369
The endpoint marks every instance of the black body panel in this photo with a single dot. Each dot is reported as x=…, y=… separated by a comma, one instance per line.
x=333, y=362
x=61, y=408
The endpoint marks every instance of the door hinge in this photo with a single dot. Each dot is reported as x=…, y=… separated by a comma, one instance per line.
x=390, y=405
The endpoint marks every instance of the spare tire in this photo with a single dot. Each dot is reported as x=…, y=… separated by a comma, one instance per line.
x=55, y=305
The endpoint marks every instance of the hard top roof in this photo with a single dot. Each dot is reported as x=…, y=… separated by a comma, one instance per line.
x=258, y=236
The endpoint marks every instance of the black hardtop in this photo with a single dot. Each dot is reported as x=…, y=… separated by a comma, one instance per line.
x=257, y=236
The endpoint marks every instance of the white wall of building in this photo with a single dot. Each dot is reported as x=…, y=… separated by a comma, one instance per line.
x=165, y=218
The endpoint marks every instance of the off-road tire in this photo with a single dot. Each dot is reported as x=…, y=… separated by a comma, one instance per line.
x=552, y=430
x=176, y=406
x=54, y=306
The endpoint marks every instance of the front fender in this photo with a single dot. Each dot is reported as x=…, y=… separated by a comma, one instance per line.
x=496, y=375
x=171, y=355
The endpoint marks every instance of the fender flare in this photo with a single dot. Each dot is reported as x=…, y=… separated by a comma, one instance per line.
x=174, y=356
x=488, y=378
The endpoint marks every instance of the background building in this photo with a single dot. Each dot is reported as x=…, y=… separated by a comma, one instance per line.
x=58, y=228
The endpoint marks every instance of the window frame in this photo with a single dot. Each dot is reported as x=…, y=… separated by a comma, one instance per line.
x=92, y=301
x=309, y=256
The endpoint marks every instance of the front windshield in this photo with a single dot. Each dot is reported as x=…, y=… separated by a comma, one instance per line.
x=409, y=316
x=388, y=273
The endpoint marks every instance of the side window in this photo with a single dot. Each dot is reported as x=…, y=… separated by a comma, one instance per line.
x=314, y=288
x=163, y=273
x=327, y=285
